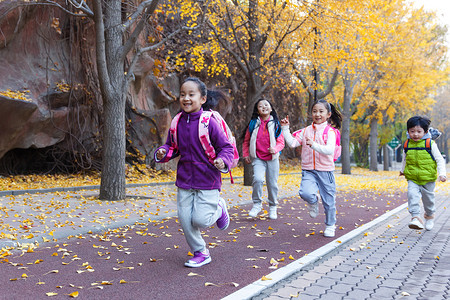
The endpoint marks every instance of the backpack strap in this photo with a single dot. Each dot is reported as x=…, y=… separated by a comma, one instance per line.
x=405, y=145
x=173, y=129
x=203, y=133
x=172, y=152
x=427, y=147
x=336, y=133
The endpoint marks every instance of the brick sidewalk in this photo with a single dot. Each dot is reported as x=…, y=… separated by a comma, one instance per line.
x=389, y=261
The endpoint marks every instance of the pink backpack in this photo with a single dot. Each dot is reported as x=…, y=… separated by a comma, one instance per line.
x=337, y=148
x=203, y=135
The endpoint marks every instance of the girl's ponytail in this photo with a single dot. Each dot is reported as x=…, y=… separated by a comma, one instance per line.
x=336, y=117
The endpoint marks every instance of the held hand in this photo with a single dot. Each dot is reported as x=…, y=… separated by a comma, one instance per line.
x=219, y=164
x=285, y=121
x=309, y=141
x=161, y=153
x=442, y=178
x=248, y=160
x=272, y=150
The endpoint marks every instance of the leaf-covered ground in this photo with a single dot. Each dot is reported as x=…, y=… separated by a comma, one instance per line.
x=73, y=245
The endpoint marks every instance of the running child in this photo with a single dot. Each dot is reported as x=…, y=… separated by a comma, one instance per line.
x=262, y=144
x=421, y=163
x=317, y=157
x=198, y=180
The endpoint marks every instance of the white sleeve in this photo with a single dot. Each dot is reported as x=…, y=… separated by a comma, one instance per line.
x=439, y=160
x=327, y=149
x=402, y=168
x=291, y=141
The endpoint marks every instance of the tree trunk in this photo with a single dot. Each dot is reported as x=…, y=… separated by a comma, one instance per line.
x=345, y=130
x=386, y=158
x=373, y=144
x=254, y=81
x=251, y=100
x=113, y=185
x=112, y=85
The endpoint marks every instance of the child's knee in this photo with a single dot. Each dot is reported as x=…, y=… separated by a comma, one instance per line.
x=308, y=197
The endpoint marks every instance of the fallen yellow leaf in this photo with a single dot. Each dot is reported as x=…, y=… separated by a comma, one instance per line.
x=264, y=278
x=51, y=294
x=74, y=294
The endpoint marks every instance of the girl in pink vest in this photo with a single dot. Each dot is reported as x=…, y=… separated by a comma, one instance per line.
x=317, y=157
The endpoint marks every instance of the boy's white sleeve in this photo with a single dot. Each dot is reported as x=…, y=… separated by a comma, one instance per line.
x=439, y=160
x=327, y=149
x=402, y=168
x=291, y=141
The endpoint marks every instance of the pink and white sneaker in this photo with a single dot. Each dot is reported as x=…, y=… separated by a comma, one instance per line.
x=200, y=258
x=224, y=220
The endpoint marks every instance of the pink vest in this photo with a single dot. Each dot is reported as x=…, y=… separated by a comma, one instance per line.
x=313, y=160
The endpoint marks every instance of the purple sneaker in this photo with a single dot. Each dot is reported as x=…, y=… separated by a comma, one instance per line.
x=200, y=259
x=224, y=220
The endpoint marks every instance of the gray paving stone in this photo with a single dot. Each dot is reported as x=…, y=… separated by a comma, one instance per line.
x=432, y=294
x=313, y=275
x=300, y=282
x=314, y=290
x=351, y=279
x=383, y=293
x=306, y=297
x=286, y=292
x=346, y=267
x=392, y=283
x=357, y=294
x=336, y=275
x=332, y=296
x=335, y=261
x=326, y=282
x=342, y=288
x=369, y=283
x=439, y=279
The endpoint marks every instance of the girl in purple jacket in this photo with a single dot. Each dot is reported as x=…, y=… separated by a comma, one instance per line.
x=198, y=180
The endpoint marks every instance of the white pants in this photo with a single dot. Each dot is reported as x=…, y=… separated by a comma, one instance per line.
x=270, y=169
x=197, y=209
x=415, y=193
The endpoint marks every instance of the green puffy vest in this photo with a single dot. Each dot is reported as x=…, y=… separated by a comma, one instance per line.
x=420, y=167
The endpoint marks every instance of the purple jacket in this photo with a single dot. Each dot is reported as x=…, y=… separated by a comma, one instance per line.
x=194, y=171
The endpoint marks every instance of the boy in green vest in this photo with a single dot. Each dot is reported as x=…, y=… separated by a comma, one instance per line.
x=422, y=161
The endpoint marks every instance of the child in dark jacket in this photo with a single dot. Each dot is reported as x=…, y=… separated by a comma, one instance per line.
x=198, y=179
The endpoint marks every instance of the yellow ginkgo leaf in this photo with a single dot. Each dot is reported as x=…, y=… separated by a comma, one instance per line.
x=264, y=278
x=122, y=281
x=51, y=294
x=74, y=294
x=24, y=275
x=291, y=257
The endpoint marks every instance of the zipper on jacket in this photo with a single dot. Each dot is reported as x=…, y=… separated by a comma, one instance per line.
x=314, y=152
x=188, y=118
